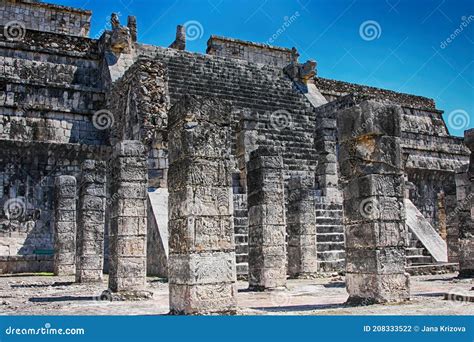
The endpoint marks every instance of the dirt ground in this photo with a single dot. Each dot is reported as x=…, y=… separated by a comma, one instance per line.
x=49, y=295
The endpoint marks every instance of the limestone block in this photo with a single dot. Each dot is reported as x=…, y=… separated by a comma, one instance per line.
x=201, y=234
x=376, y=235
x=202, y=201
x=377, y=288
x=371, y=208
x=202, y=268
x=201, y=172
x=370, y=155
x=371, y=118
x=374, y=185
x=201, y=299
x=378, y=261
x=263, y=214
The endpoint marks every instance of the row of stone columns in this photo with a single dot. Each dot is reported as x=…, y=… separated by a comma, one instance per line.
x=79, y=248
x=202, y=271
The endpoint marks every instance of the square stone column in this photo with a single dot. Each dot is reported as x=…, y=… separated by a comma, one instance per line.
x=201, y=265
x=302, y=249
x=267, y=222
x=374, y=212
x=91, y=222
x=128, y=218
x=466, y=226
x=65, y=225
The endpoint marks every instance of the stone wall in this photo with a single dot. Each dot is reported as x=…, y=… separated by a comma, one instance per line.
x=40, y=16
x=27, y=173
x=252, y=52
x=139, y=102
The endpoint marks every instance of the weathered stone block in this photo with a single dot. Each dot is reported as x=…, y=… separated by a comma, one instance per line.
x=370, y=118
x=370, y=155
x=201, y=299
x=377, y=288
x=376, y=235
x=263, y=214
x=202, y=201
x=378, y=261
x=202, y=268
x=378, y=208
x=201, y=234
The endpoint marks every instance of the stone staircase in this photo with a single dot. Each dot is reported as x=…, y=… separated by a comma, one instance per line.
x=420, y=262
x=330, y=236
x=286, y=120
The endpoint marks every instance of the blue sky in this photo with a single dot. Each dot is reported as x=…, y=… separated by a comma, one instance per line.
x=404, y=46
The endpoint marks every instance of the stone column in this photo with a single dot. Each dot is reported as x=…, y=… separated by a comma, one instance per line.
x=91, y=222
x=201, y=265
x=302, y=256
x=267, y=223
x=370, y=162
x=128, y=218
x=466, y=227
x=65, y=225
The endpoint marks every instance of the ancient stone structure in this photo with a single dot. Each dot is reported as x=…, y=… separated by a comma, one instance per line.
x=201, y=268
x=91, y=222
x=301, y=223
x=267, y=220
x=374, y=213
x=128, y=217
x=66, y=98
x=466, y=215
x=65, y=225
x=250, y=51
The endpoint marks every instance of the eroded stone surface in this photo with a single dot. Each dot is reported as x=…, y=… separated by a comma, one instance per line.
x=65, y=226
x=267, y=220
x=374, y=219
x=128, y=218
x=201, y=266
x=91, y=222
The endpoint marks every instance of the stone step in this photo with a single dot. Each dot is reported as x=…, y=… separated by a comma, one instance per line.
x=330, y=237
x=410, y=251
x=432, y=269
x=418, y=259
x=324, y=229
x=330, y=246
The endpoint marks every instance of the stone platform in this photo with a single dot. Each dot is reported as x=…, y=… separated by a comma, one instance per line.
x=48, y=295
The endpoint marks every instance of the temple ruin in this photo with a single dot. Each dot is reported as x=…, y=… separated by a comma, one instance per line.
x=130, y=160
